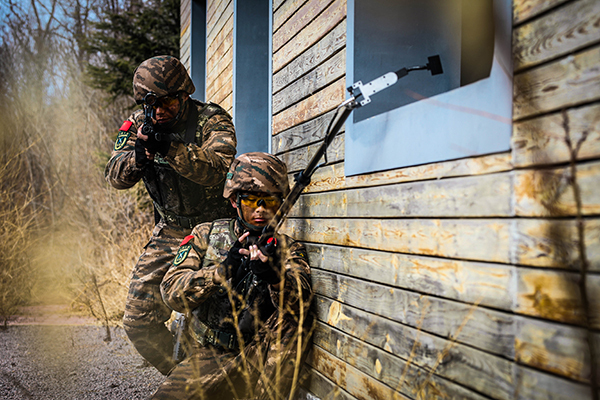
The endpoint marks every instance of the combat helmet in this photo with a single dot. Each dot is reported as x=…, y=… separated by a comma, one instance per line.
x=162, y=75
x=257, y=172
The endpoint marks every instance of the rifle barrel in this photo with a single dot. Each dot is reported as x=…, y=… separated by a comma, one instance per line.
x=336, y=123
x=303, y=178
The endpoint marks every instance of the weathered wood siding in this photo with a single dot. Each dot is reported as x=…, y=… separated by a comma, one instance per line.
x=219, y=52
x=219, y=49
x=185, y=39
x=457, y=279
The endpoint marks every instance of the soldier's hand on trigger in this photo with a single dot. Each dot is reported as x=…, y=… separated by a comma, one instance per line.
x=266, y=268
x=143, y=141
x=229, y=267
x=141, y=156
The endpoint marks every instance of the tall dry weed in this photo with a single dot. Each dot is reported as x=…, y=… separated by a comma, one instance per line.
x=17, y=216
x=67, y=237
x=99, y=231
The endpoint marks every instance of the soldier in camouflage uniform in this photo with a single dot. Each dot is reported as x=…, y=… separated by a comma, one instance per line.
x=183, y=174
x=248, y=313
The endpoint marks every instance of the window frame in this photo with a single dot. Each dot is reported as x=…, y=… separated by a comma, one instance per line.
x=252, y=80
x=198, y=48
x=456, y=124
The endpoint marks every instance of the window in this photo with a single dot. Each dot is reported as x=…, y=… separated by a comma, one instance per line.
x=465, y=111
x=198, y=48
x=252, y=74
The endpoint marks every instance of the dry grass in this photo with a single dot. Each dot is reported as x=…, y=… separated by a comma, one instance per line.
x=17, y=216
x=66, y=235
x=269, y=366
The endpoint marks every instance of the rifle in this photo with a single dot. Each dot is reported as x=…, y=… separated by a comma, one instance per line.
x=149, y=114
x=360, y=95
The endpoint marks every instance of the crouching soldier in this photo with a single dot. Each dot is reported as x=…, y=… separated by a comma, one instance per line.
x=247, y=302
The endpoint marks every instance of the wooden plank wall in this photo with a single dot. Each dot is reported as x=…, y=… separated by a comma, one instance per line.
x=457, y=279
x=219, y=52
x=185, y=39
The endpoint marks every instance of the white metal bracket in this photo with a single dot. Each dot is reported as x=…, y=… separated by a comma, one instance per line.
x=374, y=86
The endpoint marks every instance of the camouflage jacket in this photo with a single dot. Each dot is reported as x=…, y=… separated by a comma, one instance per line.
x=188, y=181
x=189, y=284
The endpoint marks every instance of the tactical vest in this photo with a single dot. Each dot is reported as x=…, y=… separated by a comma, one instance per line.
x=212, y=321
x=178, y=200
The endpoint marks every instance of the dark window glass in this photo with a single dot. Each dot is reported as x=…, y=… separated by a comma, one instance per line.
x=198, y=48
x=390, y=35
x=464, y=112
x=251, y=74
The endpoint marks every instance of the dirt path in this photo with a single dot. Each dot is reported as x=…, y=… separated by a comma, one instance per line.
x=59, y=356
x=50, y=315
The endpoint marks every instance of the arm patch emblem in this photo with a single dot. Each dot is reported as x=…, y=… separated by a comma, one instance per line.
x=123, y=135
x=182, y=254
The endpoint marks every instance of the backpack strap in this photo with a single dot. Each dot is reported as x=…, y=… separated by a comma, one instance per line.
x=192, y=124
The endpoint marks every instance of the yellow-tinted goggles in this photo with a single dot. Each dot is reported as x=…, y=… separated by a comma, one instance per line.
x=164, y=101
x=254, y=201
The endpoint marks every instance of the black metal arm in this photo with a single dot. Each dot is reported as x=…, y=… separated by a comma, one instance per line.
x=357, y=91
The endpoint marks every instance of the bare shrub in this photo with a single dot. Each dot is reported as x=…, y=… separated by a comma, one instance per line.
x=66, y=235
x=17, y=216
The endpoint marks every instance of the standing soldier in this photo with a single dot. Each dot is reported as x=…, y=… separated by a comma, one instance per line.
x=247, y=304
x=182, y=155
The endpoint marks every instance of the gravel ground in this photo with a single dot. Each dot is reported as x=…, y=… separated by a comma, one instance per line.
x=72, y=362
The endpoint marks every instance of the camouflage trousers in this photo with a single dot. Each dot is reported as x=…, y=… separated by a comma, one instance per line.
x=269, y=367
x=145, y=311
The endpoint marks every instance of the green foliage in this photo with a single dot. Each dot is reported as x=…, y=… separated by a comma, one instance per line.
x=123, y=40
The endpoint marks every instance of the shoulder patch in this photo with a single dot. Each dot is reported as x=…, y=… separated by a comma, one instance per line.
x=123, y=135
x=182, y=254
x=186, y=239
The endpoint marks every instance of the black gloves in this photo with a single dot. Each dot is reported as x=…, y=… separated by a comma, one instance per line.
x=236, y=266
x=269, y=271
x=140, y=153
x=154, y=146
x=232, y=263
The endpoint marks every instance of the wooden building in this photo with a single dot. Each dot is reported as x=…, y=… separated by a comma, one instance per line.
x=473, y=277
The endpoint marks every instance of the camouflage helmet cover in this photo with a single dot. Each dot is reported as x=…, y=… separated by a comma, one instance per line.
x=257, y=172
x=162, y=75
